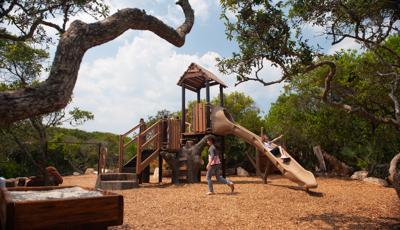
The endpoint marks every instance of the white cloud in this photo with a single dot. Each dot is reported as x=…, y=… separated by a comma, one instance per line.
x=346, y=44
x=138, y=81
x=141, y=78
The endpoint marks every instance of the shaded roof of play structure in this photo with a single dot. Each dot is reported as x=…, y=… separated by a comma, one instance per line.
x=195, y=78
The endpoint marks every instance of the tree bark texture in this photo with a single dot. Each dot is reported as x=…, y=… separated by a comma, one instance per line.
x=338, y=166
x=55, y=93
x=192, y=153
x=318, y=153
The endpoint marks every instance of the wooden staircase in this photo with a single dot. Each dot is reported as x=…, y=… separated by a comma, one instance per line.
x=163, y=135
x=182, y=169
x=117, y=181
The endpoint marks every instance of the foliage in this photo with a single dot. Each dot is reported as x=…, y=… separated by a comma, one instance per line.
x=273, y=33
x=66, y=156
x=307, y=121
x=27, y=20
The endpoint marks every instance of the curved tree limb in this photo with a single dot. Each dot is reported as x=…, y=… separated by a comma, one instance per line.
x=55, y=93
x=394, y=175
x=346, y=107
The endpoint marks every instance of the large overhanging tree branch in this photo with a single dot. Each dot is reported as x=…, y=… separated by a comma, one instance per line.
x=55, y=93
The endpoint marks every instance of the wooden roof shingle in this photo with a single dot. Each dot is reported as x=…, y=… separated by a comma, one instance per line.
x=195, y=77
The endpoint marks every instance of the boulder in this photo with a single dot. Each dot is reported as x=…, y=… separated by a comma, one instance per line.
x=377, y=181
x=242, y=172
x=76, y=174
x=359, y=175
x=89, y=171
x=155, y=174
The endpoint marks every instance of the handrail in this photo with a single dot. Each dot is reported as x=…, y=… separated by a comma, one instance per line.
x=151, y=127
x=131, y=130
x=144, y=163
x=150, y=140
x=131, y=141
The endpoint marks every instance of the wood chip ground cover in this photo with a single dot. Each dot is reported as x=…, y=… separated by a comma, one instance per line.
x=335, y=204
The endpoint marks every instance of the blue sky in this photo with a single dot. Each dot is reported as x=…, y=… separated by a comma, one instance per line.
x=135, y=75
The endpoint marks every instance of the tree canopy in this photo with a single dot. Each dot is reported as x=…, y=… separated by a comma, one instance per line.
x=271, y=33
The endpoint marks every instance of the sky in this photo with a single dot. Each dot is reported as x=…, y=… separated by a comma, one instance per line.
x=135, y=75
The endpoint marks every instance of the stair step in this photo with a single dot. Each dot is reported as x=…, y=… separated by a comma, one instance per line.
x=183, y=167
x=182, y=173
x=118, y=177
x=118, y=184
x=129, y=169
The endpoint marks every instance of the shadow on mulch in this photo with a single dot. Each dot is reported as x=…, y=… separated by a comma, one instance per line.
x=227, y=193
x=339, y=221
x=152, y=186
x=296, y=188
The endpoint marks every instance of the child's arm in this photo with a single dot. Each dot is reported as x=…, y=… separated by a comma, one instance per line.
x=277, y=138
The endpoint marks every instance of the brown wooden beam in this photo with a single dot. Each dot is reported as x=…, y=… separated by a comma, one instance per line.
x=221, y=95
x=208, y=105
x=183, y=119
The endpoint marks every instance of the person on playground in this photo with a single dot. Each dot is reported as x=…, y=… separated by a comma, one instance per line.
x=275, y=149
x=214, y=167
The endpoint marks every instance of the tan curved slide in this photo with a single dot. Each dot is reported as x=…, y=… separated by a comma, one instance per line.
x=223, y=124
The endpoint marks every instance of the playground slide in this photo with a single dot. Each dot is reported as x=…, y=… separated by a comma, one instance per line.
x=223, y=124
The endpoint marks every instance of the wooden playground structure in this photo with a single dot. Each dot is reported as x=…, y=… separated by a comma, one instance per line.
x=167, y=136
x=180, y=141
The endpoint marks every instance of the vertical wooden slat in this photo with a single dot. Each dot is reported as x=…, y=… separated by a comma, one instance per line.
x=208, y=122
x=183, y=121
x=138, y=154
x=121, y=153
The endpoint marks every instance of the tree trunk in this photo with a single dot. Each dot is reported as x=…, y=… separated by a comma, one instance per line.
x=338, y=166
x=192, y=153
x=318, y=153
x=394, y=174
x=55, y=93
x=37, y=124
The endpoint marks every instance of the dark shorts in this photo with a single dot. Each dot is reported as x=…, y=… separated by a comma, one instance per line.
x=276, y=152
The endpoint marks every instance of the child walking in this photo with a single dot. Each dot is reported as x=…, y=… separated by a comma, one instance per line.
x=214, y=167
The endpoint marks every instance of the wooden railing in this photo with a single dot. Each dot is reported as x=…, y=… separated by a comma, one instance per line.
x=123, y=145
x=162, y=135
x=149, y=137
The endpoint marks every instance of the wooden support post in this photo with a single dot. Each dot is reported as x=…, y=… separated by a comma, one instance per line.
x=121, y=153
x=208, y=105
x=99, y=167
x=221, y=95
x=198, y=96
x=258, y=156
x=160, y=168
x=222, y=156
x=140, y=141
x=267, y=171
x=183, y=120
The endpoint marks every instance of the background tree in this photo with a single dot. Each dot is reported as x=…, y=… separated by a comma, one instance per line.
x=272, y=33
x=21, y=67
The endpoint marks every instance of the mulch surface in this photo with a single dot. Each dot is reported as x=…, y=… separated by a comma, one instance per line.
x=335, y=204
